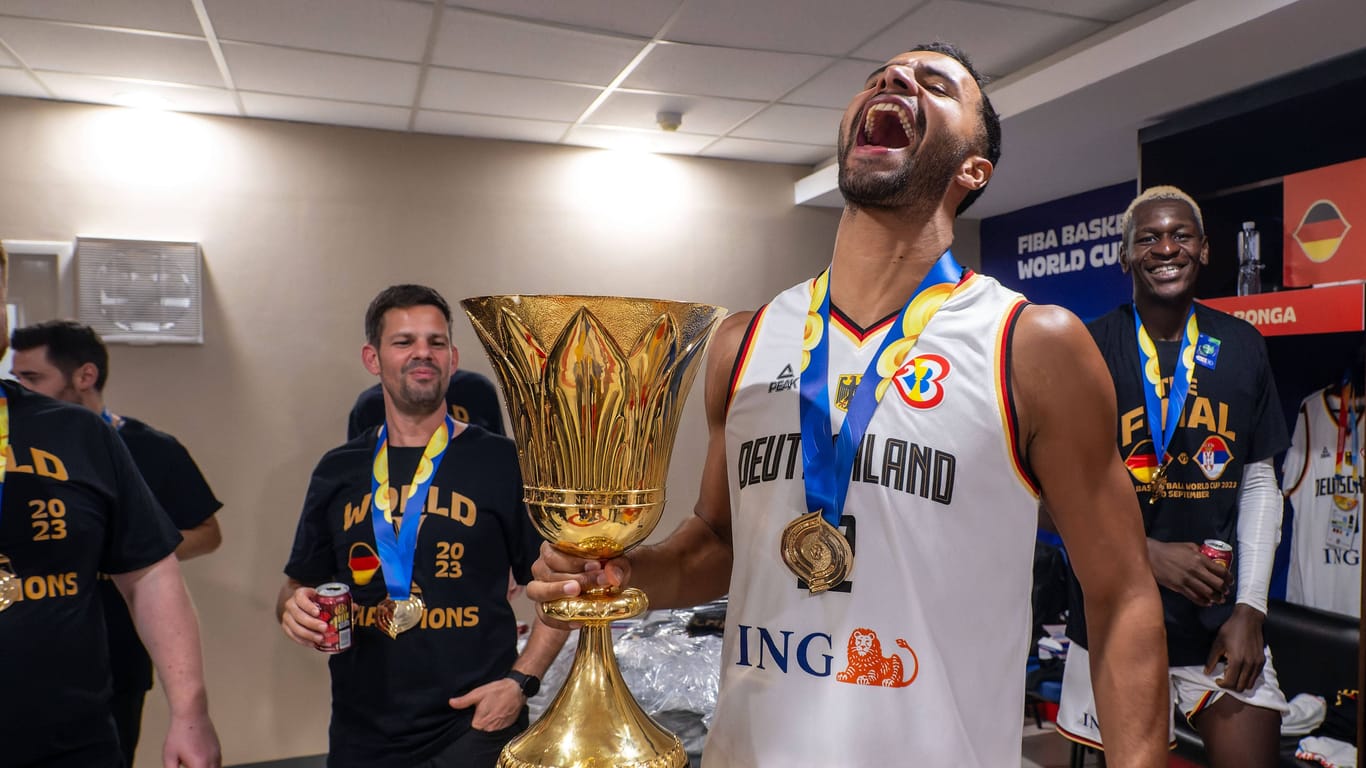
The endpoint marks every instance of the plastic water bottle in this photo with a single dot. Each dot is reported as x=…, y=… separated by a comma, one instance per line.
x=1249, y=259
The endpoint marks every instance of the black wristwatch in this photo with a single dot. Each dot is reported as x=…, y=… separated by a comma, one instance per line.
x=530, y=684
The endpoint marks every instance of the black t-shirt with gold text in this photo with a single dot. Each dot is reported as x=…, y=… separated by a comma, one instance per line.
x=1231, y=418
x=74, y=506
x=389, y=696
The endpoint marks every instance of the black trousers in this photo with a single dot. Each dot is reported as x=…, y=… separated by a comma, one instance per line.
x=478, y=749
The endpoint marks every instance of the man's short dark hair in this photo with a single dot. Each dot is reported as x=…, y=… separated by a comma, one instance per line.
x=69, y=346
x=989, y=139
x=401, y=297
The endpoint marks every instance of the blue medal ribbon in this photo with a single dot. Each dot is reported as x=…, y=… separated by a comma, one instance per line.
x=398, y=550
x=1162, y=424
x=828, y=462
x=109, y=419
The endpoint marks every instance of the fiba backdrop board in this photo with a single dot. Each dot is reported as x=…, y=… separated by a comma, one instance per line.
x=1063, y=252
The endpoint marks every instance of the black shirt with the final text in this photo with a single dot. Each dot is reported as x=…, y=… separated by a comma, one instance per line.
x=1231, y=418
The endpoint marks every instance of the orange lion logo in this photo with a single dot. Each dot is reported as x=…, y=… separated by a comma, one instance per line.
x=867, y=665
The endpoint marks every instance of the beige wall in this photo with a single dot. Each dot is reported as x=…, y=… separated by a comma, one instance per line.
x=300, y=226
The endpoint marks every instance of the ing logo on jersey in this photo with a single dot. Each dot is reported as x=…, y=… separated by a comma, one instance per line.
x=919, y=380
x=1213, y=457
x=867, y=666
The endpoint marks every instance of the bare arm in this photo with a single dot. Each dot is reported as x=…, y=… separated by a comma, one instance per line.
x=167, y=625
x=497, y=704
x=1067, y=419
x=542, y=647
x=693, y=564
x=199, y=540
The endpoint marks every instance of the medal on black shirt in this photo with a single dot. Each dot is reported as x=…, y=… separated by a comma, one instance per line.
x=402, y=609
x=9, y=581
x=1163, y=414
x=812, y=546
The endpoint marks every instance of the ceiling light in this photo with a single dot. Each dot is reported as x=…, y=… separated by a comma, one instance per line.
x=141, y=100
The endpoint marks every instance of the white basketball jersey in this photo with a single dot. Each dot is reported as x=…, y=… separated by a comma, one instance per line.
x=918, y=658
x=1322, y=575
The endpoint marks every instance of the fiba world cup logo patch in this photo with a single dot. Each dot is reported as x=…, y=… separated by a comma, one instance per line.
x=1213, y=457
x=919, y=380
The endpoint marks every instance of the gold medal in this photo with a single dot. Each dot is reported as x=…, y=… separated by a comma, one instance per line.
x=816, y=552
x=9, y=584
x=396, y=616
x=1159, y=485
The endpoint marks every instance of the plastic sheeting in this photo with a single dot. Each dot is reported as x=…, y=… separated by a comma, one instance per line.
x=673, y=674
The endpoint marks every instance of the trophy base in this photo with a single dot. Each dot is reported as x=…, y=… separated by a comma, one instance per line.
x=594, y=722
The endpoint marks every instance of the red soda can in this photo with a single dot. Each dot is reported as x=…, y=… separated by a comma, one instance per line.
x=1218, y=551
x=334, y=606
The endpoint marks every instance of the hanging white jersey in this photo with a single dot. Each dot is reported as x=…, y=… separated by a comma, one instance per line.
x=1325, y=545
x=917, y=657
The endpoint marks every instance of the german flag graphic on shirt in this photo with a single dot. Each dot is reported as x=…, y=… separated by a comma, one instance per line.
x=1142, y=462
x=1321, y=231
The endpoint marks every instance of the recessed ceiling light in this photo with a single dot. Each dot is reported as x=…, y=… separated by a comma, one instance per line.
x=141, y=100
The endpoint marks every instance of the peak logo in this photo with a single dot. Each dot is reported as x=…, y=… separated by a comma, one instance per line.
x=786, y=380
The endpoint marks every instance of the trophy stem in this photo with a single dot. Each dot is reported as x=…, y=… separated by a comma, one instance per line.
x=609, y=728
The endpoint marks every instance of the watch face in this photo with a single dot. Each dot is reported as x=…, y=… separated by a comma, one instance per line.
x=530, y=684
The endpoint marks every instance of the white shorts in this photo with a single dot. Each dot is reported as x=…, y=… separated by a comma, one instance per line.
x=1192, y=691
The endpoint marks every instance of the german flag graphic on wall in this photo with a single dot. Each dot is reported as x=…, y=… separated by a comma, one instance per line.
x=1321, y=231
x=1320, y=206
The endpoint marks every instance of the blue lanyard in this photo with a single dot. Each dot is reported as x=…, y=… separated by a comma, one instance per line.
x=397, y=551
x=109, y=419
x=1162, y=425
x=827, y=462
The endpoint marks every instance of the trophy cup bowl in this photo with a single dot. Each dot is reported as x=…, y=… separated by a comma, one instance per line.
x=595, y=387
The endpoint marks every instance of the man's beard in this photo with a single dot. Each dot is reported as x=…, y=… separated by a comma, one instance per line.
x=417, y=400
x=918, y=182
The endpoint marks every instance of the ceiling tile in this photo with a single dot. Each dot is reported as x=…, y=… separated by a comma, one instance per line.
x=1100, y=10
x=638, y=141
x=82, y=50
x=768, y=151
x=800, y=26
x=459, y=91
x=303, y=73
x=632, y=17
x=485, y=43
x=709, y=71
x=101, y=90
x=835, y=87
x=995, y=38
x=701, y=114
x=275, y=107
x=155, y=15
x=386, y=29
x=6, y=60
x=482, y=126
x=16, y=82
x=806, y=125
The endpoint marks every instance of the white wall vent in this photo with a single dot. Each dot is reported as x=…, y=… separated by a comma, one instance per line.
x=140, y=291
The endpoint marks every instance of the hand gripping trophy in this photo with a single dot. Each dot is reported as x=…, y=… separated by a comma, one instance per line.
x=595, y=387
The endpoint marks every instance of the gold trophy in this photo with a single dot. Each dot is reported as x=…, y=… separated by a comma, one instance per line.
x=594, y=421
